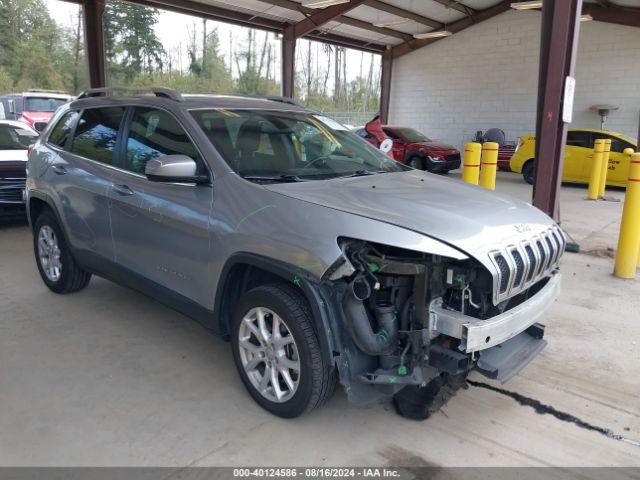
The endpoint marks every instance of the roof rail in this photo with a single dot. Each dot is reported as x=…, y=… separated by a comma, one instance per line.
x=276, y=98
x=42, y=90
x=113, y=91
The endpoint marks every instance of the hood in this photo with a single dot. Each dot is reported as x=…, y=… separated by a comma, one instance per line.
x=470, y=218
x=434, y=147
x=13, y=155
x=33, y=117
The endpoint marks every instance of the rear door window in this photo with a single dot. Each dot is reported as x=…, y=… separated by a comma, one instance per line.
x=61, y=132
x=154, y=133
x=580, y=139
x=618, y=145
x=97, y=133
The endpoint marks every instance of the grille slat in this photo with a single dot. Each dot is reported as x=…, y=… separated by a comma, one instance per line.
x=11, y=195
x=552, y=250
x=505, y=271
x=519, y=264
x=533, y=264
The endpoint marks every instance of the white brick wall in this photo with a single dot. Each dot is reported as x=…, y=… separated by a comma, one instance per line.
x=487, y=76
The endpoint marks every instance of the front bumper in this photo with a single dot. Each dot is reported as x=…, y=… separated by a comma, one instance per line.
x=476, y=335
x=436, y=164
x=12, y=187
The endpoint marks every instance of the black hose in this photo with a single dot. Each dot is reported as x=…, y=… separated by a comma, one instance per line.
x=385, y=339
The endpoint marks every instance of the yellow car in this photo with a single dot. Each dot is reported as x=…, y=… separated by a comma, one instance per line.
x=578, y=157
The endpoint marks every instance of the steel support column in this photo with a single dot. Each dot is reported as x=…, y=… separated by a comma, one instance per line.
x=93, y=11
x=559, y=42
x=288, y=63
x=385, y=86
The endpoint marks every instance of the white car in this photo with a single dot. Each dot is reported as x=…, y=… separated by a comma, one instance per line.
x=15, y=138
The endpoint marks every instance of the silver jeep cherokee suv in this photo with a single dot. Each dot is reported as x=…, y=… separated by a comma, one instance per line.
x=317, y=256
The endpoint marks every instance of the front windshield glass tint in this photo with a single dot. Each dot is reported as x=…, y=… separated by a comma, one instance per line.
x=413, y=135
x=266, y=144
x=16, y=138
x=41, y=104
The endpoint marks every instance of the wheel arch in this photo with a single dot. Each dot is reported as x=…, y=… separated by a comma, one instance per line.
x=244, y=271
x=525, y=164
x=414, y=153
x=39, y=202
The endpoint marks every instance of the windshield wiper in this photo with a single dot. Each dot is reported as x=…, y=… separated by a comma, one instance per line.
x=363, y=173
x=279, y=178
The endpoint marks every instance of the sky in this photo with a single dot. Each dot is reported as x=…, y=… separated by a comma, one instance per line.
x=173, y=31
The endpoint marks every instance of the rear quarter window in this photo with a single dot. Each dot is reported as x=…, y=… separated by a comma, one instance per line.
x=62, y=130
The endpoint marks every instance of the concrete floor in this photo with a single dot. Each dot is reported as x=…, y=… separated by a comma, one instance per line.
x=108, y=377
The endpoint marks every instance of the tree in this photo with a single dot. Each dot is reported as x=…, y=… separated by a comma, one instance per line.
x=132, y=46
x=32, y=46
x=250, y=63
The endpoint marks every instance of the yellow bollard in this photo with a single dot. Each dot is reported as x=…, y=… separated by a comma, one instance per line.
x=489, y=165
x=605, y=167
x=471, y=168
x=630, y=152
x=594, y=180
x=629, y=240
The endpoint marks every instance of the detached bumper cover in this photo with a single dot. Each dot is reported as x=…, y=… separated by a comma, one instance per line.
x=476, y=335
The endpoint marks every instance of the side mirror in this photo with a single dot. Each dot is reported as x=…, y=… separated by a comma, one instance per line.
x=173, y=168
x=12, y=106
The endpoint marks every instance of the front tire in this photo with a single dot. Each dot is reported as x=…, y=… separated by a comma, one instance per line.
x=529, y=172
x=417, y=163
x=57, y=267
x=277, y=352
x=419, y=403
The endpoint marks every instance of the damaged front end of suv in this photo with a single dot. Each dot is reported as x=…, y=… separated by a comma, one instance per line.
x=411, y=325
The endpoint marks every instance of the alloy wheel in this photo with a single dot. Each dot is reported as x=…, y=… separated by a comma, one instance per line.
x=49, y=253
x=269, y=354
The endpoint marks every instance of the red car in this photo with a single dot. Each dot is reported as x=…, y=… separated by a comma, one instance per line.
x=505, y=152
x=35, y=107
x=416, y=150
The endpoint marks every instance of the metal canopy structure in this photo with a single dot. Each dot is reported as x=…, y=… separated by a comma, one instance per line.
x=394, y=28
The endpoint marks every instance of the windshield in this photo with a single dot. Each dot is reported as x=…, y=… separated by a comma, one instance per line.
x=42, y=104
x=16, y=138
x=290, y=146
x=412, y=135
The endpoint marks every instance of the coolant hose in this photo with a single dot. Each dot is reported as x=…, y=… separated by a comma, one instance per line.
x=385, y=339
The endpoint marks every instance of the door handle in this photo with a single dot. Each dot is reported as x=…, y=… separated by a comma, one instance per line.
x=59, y=169
x=122, y=190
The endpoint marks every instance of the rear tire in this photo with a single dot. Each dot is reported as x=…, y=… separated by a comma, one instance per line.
x=297, y=355
x=419, y=403
x=57, y=267
x=529, y=172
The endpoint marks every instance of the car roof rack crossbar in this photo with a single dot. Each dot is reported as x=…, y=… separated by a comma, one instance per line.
x=113, y=91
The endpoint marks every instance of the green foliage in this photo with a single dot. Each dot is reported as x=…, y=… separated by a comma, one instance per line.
x=35, y=52
x=133, y=49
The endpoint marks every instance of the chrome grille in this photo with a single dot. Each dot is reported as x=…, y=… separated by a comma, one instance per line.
x=520, y=266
